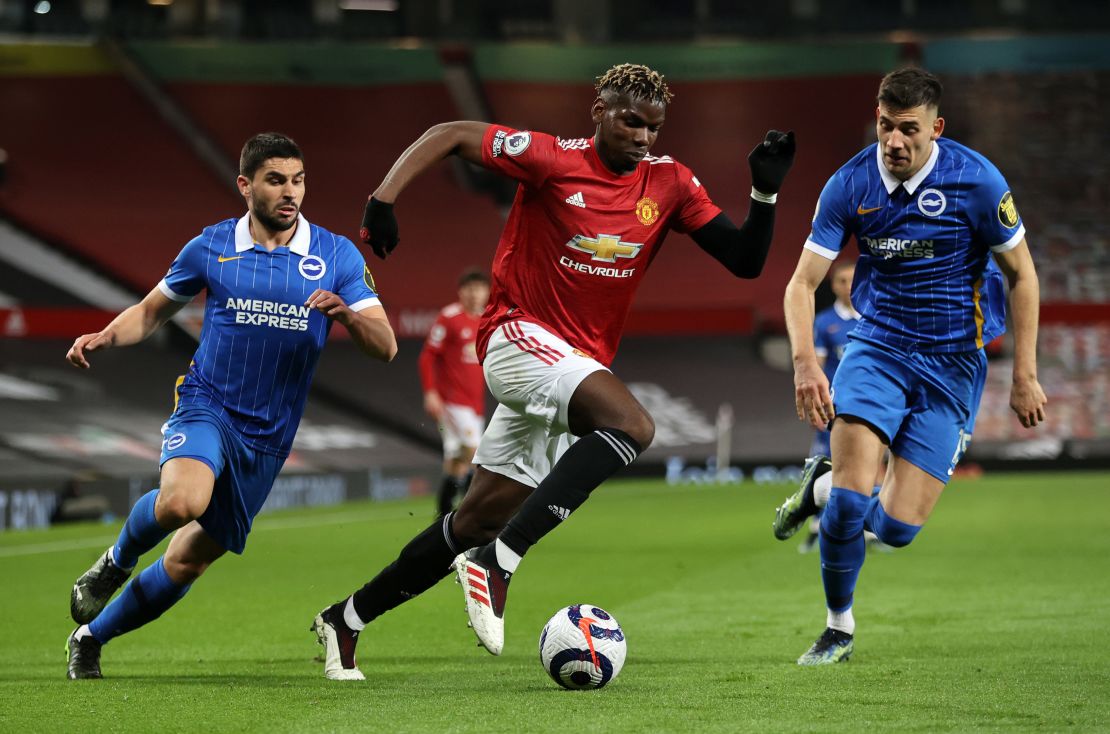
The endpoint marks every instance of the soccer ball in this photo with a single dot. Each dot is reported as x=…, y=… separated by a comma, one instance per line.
x=582, y=647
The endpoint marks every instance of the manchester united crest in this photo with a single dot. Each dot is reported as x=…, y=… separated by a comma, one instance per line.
x=647, y=211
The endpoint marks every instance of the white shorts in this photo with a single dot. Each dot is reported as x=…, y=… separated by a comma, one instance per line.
x=460, y=427
x=533, y=375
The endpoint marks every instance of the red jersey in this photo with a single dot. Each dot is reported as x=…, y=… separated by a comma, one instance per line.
x=449, y=362
x=579, y=237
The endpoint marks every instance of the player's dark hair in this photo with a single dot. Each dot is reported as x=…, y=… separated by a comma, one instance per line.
x=263, y=147
x=637, y=81
x=910, y=87
x=473, y=275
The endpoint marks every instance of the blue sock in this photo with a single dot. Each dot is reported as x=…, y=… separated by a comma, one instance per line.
x=140, y=533
x=842, y=546
x=894, y=533
x=869, y=515
x=142, y=600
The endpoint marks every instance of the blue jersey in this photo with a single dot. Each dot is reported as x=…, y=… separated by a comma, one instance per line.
x=924, y=280
x=830, y=334
x=260, y=343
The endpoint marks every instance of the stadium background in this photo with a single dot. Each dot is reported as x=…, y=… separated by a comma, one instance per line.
x=121, y=124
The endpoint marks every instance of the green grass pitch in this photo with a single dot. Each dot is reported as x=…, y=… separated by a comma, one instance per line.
x=997, y=618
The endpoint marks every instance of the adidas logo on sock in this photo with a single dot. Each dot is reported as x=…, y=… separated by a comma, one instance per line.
x=560, y=512
x=576, y=200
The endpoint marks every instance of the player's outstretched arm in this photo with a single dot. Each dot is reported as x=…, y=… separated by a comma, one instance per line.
x=1027, y=398
x=812, y=400
x=369, y=327
x=462, y=138
x=743, y=250
x=132, y=326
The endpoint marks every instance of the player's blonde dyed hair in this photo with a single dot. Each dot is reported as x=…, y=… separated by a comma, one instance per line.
x=635, y=80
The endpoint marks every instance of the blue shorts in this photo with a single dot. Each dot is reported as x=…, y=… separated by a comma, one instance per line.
x=244, y=476
x=923, y=404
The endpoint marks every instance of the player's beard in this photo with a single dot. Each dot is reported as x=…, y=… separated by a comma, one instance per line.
x=269, y=218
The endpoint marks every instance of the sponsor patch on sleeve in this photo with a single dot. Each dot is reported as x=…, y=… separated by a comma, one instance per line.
x=1007, y=211
x=497, y=143
x=368, y=278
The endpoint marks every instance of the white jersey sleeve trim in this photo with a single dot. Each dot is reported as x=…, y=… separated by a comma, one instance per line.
x=365, y=303
x=170, y=294
x=820, y=250
x=1010, y=243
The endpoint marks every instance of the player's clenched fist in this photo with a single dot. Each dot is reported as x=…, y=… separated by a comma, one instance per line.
x=771, y=160
x=379, y=227
x=329, y=304
x=84, y=344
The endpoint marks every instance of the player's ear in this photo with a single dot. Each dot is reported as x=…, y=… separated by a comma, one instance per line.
x=244, y=185
x=597, y=110
x=938, y=127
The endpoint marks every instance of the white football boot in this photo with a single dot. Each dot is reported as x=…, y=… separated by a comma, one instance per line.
x=485, y=587
x=339, y=642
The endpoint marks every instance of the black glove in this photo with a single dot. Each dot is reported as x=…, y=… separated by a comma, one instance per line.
x=770, y=161
x=379, y=227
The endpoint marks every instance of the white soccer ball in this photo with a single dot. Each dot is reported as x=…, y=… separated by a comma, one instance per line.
x=582, y=647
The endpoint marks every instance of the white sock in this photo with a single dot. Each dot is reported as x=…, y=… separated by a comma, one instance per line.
x=821, y=489
x=507, y=558
x=843, y=621
x=350, y=616
x=81, y=632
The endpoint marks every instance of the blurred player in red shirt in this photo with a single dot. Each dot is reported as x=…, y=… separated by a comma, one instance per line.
x=589, y=217
x=454, y=389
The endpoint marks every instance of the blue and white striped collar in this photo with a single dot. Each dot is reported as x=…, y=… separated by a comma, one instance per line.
x=302, y=238
x=914, y=181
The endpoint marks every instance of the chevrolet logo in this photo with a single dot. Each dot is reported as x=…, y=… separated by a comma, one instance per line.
x=222, y=259
x=605, y=247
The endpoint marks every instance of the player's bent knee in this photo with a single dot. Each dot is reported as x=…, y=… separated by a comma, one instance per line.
x=175, y=509
x=640, y=427
x=894, y=533
x=649, y=432
x=184, y=572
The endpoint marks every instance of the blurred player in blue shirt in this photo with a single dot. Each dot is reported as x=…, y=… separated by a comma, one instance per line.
x=275, y=284
x=937, y=228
